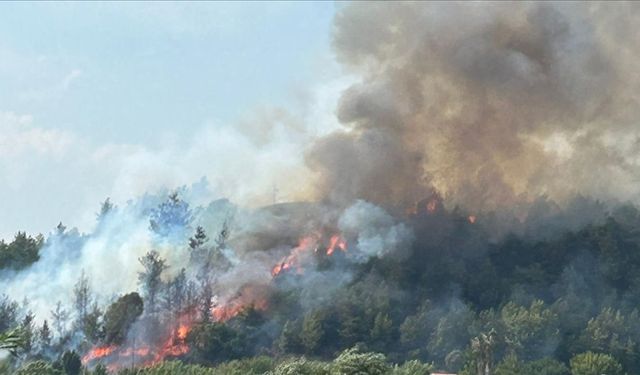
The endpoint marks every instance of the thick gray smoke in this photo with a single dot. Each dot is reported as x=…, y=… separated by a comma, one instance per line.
x=488, y=103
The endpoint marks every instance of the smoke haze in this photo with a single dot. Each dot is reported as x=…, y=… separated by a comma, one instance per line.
x=490, y=103
x=524, y=114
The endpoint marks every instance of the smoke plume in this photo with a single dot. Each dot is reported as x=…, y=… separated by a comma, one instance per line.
x=488, y=103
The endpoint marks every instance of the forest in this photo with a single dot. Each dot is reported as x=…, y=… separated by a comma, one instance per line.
x=554, y=292
x=386, y=188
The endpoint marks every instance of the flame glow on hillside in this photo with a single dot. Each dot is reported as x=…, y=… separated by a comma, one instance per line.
x=250, y=296
x=306, y=246
x=117, y=357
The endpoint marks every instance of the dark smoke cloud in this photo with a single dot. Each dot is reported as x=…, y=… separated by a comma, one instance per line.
x=489, y=103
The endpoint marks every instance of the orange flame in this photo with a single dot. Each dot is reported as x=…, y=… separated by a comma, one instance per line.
x=293, y=259
x=145, y=355
x=432, y=205
x=174, y=346
x=472, y=219
x=336, y=242
x=296, y=257
x=140, y=352
x=183, y=330
x=99, y=352
x=249, y=296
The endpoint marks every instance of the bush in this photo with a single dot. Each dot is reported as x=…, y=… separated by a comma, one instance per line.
x=301, y=366
x=169, y=368
x=412, y=368
x=37, y=368
x=352, y=362
x=249, y=366
x=546, y=366
x=590, y=363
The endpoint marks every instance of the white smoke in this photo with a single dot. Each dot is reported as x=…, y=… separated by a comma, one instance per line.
x=376, y=232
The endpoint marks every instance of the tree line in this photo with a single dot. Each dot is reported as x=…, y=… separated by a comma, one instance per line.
x=458, y=300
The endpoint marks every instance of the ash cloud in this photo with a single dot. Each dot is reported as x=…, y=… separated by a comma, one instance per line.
x=490, y=104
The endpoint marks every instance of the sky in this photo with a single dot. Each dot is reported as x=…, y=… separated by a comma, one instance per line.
x=115, y=99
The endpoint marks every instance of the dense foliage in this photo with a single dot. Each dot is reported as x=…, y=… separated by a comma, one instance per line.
x=545, y=299
x=21, y=252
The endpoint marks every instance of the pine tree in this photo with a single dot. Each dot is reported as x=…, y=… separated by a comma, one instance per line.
x=198, y=239
x=82, y=298
x=150, y=279
x=27, y=332
x=312, y=332
x=289, y=342
x=105, y=209
x=59, y=318
x=44, y=336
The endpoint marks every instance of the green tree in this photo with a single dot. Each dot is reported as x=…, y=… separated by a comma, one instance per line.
x=23, y=251
x=44, y=337
x=82, y=299
x=312, y=332
x=415, y=330
x=100, y=369
x=71, y=364
x=412, y=368
x=545, y=366
x=610, y=332
x=510, y=365
x=175, y=296
x=301, y=366
x=382, y=330
x=59, y=318
x=173, y=368
x=12, y=341
x=215, y=342
x=591, y=363
x=37, y=368
x=198, y=240
x=289, y=340
x=91, y=326
x=260, y=365
x=120, y=316
x=150, y=279
x=482, y=351
x=352, y=326
x=171, y=217
x=353, y=362
x=529, y=332
x=106, y=208
x=27, y=330
x=451, y=332
x=8, y=313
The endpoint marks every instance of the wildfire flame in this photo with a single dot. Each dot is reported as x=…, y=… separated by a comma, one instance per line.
x=145, y=355
x=472, y=219
x=250, y=296
x=295, y=259
x=336, y=242
x=183, y=330
x=98, y=352
x=432, y=205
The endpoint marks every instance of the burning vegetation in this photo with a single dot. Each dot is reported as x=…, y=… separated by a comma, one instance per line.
x=455, y=222
x=173, y=342
x=358, y=275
